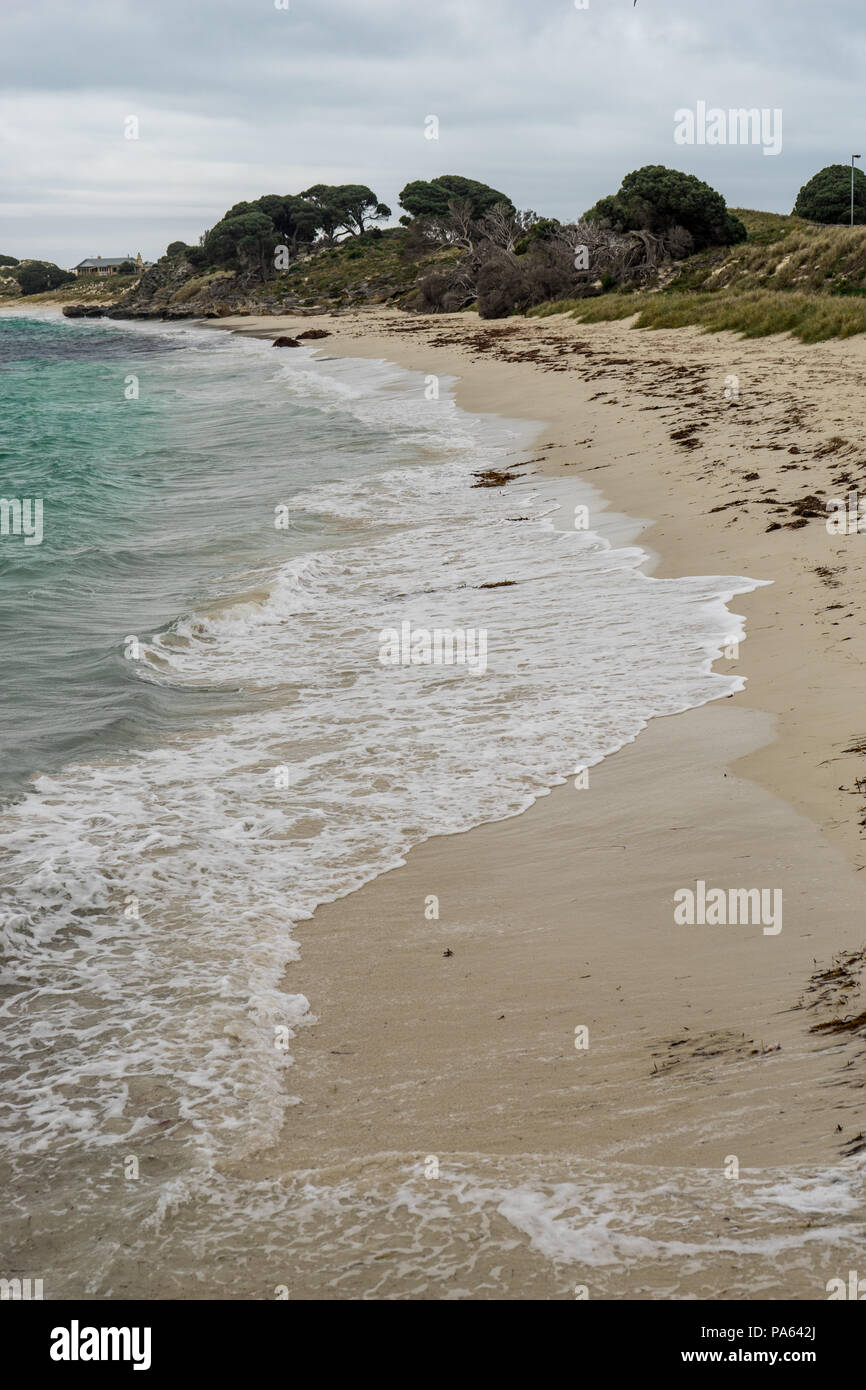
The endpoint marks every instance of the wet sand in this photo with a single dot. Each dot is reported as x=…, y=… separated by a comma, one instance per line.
x=454, y=1035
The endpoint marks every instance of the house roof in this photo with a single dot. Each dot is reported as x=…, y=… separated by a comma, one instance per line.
x=104, y=260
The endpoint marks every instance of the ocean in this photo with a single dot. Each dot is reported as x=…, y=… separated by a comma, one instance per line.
x=201, y=743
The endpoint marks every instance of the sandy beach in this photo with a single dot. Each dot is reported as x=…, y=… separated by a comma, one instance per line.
x=705, y=1043
x=526, y=1078
x=433, y=560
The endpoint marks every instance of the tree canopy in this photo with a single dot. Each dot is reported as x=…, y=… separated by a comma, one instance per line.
x=827, y=196
x=247, y=236
x=655, y=199
x=296, y=220
x=345, y=207
x=245, y=239
x=36, y=277
x=433, y=197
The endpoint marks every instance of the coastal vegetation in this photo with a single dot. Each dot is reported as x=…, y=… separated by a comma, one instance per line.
x=789, y=276
x=86, y=289
x=513, y=260
x=657, y=200
x=29, y=277
x=462, y=244
x=827, y=196
x=250, y=236
x=663, y=251
x=433, y=197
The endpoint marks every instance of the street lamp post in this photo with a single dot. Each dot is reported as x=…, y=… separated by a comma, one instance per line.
x=853, y=157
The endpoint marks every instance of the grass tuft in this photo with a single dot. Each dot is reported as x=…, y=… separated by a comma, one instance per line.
x=791, y=276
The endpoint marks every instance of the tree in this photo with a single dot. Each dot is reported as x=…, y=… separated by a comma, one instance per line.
x=238, y=210
x=508, y=229
x=345, y=207
x=432, y=197
x=243, y=241
x=827, y=196
x=8, y=260
x=176, y=248
x=511, y=263
x=295, y=219
x=657, y=199
x=36, y=277
x=536, y=229
x=327, y=212
x=459, y=226
x=360, y=205
x=127, y=268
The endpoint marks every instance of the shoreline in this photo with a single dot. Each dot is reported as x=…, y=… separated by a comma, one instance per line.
x=544, y=1083
x=671, y=506
x=457, y=1035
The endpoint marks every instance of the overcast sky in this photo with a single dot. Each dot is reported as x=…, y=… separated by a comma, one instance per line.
x=550, y=103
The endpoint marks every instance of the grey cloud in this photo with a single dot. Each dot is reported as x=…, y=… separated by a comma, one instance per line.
x=549, y=102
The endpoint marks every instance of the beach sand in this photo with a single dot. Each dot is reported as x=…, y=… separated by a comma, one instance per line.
x=457, y=1035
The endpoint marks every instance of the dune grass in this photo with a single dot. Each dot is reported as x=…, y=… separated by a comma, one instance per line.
x=791, y=276
x=90, y=289
x=753, y=313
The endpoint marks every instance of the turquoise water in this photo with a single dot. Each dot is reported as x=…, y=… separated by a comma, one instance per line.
x=171, y=807
x=151, y=505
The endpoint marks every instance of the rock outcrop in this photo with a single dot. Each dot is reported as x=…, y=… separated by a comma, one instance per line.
x=175, y=289
x=317, y=284
x=86, y=311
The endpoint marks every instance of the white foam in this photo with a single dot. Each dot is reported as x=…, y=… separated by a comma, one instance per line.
x=180, y=1004
x=523, y=1226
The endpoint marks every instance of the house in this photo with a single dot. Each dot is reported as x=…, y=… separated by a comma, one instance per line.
x=107, y=265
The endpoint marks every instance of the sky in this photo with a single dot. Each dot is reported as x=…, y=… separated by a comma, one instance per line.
x=551, y=101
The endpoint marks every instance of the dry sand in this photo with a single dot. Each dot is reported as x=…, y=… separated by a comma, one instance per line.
x=701, y=1039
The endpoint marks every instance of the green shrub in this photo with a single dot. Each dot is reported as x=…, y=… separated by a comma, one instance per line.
x=432, y=197
x=37, y=277
x=827, y=196
x=655, y=199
